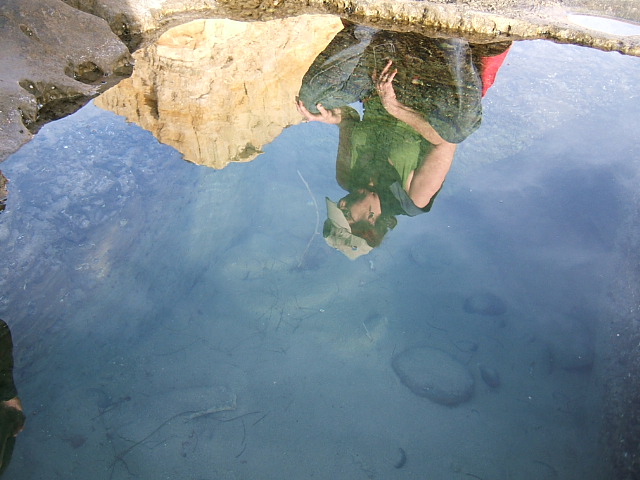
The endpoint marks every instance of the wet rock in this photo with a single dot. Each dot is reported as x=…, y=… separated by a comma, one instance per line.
x=54, y=59
x=571, y=341
x=466, y=346
x=140, y=22
x=490, y=376
x=434, y=374
x=485, y=304
x=83, y=49
x=575, y=352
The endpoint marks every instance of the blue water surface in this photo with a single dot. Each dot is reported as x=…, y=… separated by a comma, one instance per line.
x=174, y=321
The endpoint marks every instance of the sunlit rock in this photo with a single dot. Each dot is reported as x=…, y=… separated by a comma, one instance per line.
x=139, y=22
x=219, y=90
x=56, y=55
x=53, y=60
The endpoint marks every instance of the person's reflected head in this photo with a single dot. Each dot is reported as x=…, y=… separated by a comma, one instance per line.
x=355, y=225
x=362, y=205
x=11, y=422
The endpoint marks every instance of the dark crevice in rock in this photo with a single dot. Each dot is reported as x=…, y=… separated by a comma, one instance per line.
x=86, y=72
x=28, y=31
x=51, y=103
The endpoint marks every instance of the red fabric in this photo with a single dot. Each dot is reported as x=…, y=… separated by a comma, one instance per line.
x=490, y=67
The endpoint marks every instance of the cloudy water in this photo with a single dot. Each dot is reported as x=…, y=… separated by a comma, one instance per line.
x=172, y=320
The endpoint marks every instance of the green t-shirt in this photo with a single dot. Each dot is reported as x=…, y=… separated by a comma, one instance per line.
x=379, y=137
x=385, y=151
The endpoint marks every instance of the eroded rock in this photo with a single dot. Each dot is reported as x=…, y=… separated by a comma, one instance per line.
x=53, y=60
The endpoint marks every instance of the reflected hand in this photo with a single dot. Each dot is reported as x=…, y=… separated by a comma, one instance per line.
x=333, y=116
x=384, y=87
x=17, y=404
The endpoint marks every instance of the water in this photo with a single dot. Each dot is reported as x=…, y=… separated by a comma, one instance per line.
x=174, y=321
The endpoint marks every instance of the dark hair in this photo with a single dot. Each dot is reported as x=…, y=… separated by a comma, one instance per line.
x=11, y=421
x=354, y=197
x=372, y=234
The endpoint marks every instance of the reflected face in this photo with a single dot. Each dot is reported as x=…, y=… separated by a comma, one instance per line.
x=367, y=208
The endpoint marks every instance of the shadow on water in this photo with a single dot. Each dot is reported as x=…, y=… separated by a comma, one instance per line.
x=175, y=320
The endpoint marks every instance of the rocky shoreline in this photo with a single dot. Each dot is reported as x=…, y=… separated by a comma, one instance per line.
x=58, y=55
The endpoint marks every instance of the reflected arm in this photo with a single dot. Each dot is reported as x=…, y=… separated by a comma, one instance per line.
x=346, y=118
x=430, y=174
x=427, y=179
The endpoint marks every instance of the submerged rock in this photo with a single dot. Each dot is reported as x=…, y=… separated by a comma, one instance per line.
x=569, y=338
x=571, y=343
x=434, y=374
x=485, y=304
x=490, y=376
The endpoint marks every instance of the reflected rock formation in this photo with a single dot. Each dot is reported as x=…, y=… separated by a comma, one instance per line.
x=219, y=90
x=53, y=47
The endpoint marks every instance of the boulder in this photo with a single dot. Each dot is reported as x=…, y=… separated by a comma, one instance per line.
x=485, y=304
x=571, y=341
x=54, y=59
x=490, y=376
x=434, y=374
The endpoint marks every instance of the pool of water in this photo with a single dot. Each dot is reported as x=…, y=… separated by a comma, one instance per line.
x=176, y=321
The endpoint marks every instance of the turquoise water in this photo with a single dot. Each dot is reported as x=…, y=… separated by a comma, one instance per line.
x=173, y=321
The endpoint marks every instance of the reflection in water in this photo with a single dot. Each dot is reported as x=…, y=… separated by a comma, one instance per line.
x=421, y=98
x=11, y=416
x=3, y=191
x=604, y=24
x=218, y=90
x=166, y=326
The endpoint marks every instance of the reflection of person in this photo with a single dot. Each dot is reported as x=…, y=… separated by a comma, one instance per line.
x=11, y=416
x=421, y=97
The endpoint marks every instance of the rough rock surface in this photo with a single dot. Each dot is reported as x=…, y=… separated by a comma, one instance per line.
x=56, y=55
x=53, y=60
x=142, y=21
x=434, y=374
